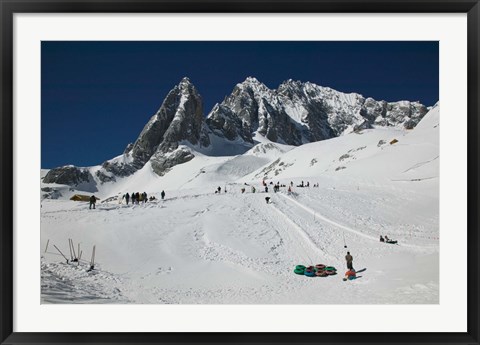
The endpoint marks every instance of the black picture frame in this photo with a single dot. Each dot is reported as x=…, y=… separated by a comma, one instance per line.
x=10, y=7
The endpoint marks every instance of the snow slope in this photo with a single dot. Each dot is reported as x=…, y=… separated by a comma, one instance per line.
x=197, y=246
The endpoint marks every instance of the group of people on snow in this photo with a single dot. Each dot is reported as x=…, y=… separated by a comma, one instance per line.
x=137, y=197
x=219, y=190
x=386, y=239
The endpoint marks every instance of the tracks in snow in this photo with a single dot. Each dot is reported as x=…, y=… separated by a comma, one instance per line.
x=323, y=237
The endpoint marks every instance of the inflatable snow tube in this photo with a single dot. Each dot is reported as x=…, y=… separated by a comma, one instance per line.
x=392, y=242
x=321, y=274
x=300, y=267
x=309, y=273
x=330, y=268
x=331, y=273
x=298, y=271
x=320, y=267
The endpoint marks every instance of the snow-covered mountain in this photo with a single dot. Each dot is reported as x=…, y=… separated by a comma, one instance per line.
x=297, y=113
x=294, y=114
x=197, y=246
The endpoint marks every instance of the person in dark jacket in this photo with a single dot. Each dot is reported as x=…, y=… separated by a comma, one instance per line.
x=349, y=259
x=137, y=197
x=127, y=197
x=93, y=200
x=163, y=194
x=133, y=198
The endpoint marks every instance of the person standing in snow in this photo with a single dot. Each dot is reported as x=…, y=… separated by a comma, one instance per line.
x=127, y=197
x=349, y=259
x=163, y=194
x=382, y=239
x=266, y=189
x=93, y=200
x=219, y=189
x=144, y=194
x=253, y=189
x=137, y=197
x=133, y=198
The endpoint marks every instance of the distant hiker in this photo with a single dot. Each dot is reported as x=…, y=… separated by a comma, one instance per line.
x=163, y=194
x=266, y=189
x=349, y=259
x=127, y=197
x=93, y=200
x=253, y=189
x=144, y=195
x=137, y=197
x=350, y=274
x=243, y=190
x=382, y=239
x=308, y=184
x=219, y=189
x=386, y=238
x=289, y=189
x=133, y=198
x=291, y=183
x=267, y=199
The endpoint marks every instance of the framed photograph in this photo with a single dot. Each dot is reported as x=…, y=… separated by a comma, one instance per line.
x=231, y=172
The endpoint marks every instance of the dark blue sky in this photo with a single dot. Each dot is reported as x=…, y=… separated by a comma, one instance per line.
x=97, y=96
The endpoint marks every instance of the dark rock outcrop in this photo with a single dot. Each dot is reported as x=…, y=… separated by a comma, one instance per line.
x=68, y=175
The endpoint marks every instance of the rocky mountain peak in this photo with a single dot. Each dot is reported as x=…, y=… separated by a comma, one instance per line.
x=295, y=113
x=186, y=86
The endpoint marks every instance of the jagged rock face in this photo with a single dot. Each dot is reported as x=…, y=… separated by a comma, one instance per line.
x=252, y=107
x=179, y=118
x=298, y=113
x=162, y=162
x=224, y=122
x=69, y=175
x=187, y=120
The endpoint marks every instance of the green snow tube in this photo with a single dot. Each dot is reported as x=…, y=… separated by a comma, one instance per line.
x=300, y=267
x=298, y=271
x=330, y=268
